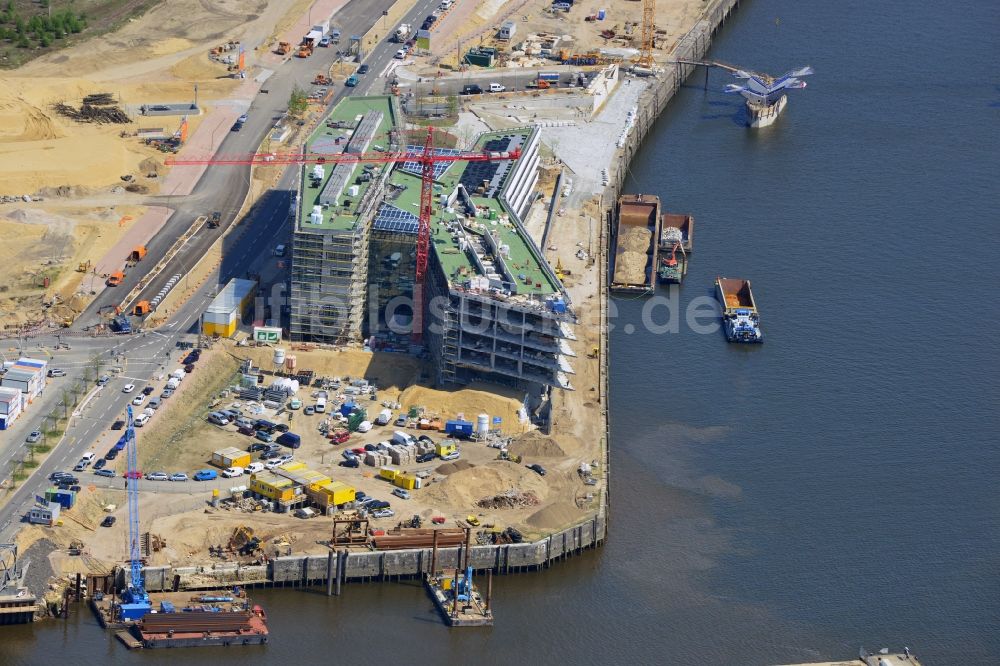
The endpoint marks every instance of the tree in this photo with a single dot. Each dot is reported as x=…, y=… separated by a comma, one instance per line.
x=298, y=102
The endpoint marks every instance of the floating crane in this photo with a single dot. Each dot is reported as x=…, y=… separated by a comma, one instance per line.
x=426, y=158
x=135, y=601
x=764, y=94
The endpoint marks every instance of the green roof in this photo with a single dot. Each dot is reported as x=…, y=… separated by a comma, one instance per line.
x=347, y=111
x=457, y=264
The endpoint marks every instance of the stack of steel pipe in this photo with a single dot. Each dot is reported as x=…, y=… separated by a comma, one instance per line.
x=418, y=538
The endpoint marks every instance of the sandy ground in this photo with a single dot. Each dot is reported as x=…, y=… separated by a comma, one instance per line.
x=155, y=58
x=473, y=22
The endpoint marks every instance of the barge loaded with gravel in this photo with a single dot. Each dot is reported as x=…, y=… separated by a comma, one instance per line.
x=636, y=235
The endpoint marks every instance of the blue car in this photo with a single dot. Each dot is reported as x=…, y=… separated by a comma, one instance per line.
x=205, y=475
x=351, y=81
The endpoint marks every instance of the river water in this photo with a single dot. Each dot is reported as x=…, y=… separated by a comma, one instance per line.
x=829, y=489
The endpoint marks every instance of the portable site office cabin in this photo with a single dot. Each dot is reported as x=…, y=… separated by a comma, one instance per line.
x=224, y=314
x=11, y=403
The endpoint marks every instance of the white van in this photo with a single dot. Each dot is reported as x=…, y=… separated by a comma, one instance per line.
x=496, y=87
x=141, y=420
x=401, y=438
x=173, y=383
x=232, y=472
x=446, y=4
x=321, y=404
x=178, y=374
x=87, y=457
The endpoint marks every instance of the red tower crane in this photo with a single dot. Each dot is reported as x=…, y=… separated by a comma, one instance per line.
x=425, y=158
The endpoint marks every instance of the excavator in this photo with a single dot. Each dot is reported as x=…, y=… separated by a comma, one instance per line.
x=671, y=271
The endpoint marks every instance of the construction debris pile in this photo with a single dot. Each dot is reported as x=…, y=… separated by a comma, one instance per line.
x=510, y=499
x=98, y=108
x=508, y=535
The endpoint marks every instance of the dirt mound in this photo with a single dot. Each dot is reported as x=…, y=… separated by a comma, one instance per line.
x=555, y=516
x=452, y=467
x=152, y=165
x=536, y=445
x=464, y=488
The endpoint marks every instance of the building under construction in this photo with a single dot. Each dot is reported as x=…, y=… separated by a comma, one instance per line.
x=493, y=309
x=332, y=222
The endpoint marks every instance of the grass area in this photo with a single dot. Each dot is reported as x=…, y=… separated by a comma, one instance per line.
x=174, y=433
x=31, y=28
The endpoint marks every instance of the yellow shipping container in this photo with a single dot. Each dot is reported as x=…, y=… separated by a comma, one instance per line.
x=272, y=486
x=406, y=481
x=221, y=330
x=445, y=447
x=388, y=473
x=331, y=493
x=230, y=457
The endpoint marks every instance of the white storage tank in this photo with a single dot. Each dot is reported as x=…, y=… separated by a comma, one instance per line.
x=482, y=424
x=279, y=356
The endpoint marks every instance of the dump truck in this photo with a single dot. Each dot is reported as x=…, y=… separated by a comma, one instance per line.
x=540, y=84
x=284, y=48
x=305, y=48
x=138, y=254
x=141, y=309
x=115, y=279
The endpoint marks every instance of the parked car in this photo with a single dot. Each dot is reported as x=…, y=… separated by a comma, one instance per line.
x=270, y=455
x=154, y=403
x=246, y=430
x=538, y=469
x=369, y=447
x=383, y=513
x=112, y=454
x=80, y=466
x=118, y=425
x=401, y=493
x=426, y=457
x=34, y=436
x=400, y=54
x=472, y=89
x=309, y=410
x=257, y=446
x=108, y=521
x=348, y=454
x=205, y=475
x=365, y=426
x=232, y=472
x=378, y=504
x=271, y=464
x=281, y=427
x=350, y=462
x=231, y=414
x=286, y=457
x=157, y=476
x=138, y=400
x=148, y=390
x=110, y=473
x=128, y=388
x=401, y=421
x=189, y=368
x=264, y=436
x=243, y=118
x=217, y=418
x=325, y=42
x=104, y=379
x=166, y=394
x=454, y=455
x=55, y=475
x=178, y=476
x=101, y=462
x=294, y=403
x=254, y=467
x=497, y=88
x=57, y=372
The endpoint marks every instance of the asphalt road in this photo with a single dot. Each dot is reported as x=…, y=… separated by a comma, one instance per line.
x=145, y=356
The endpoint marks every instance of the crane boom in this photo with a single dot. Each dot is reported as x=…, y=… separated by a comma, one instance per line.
x=425, y=157
x=135, y=602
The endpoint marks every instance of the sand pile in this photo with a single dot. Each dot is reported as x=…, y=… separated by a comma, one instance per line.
x=470, y=402
x=555, y=516
x=631, y=257
x=536, y=445
x=452, y=467
x=464, y=488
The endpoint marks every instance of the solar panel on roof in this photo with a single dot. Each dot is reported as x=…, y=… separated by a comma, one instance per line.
x=439, y=168
x=390, y=218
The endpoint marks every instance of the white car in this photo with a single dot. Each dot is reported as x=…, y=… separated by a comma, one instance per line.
x=232, y=472
x=400, y=54
x=138, y=400
x=128, y=388
x=157, y=476
x=254, y=467
x=401, y=493
x=274, y=462
x=364, y=426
